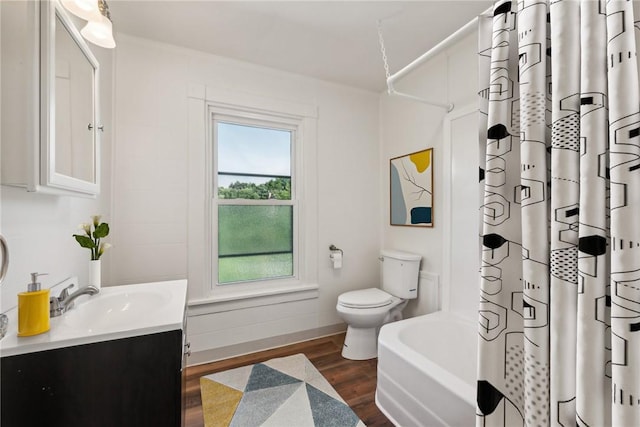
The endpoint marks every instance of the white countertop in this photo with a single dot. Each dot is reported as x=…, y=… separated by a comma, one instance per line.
x=80, y=326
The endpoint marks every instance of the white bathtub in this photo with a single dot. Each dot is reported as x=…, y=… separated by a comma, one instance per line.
x=427, y=371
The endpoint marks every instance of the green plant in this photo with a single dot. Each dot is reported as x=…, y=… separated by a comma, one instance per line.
x=94, y=232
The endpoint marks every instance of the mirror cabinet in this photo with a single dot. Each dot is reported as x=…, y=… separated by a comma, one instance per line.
x=50, y=121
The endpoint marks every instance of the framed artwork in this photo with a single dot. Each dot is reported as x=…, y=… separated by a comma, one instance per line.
x=412, y=189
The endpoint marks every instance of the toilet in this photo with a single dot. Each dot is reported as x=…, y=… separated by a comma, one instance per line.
x=366, y=310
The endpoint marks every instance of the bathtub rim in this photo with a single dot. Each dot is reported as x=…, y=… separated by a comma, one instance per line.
x=388, y=338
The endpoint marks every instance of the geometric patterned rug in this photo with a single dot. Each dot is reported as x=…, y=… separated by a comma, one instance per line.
x=287, y=391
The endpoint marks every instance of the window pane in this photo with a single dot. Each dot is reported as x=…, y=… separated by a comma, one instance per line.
x=253, y=162
x=254, y=242
x=256, y=267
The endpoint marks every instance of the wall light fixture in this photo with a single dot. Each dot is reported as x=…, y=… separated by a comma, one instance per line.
x=99, y=29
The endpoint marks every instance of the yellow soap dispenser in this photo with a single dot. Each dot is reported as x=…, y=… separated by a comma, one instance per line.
x=33, y=309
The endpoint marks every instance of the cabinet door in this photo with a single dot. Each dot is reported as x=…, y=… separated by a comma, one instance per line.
x=49, y=122
x=131, y=382
x=69, y=106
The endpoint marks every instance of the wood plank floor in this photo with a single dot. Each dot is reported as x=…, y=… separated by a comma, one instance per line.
x=354, y=380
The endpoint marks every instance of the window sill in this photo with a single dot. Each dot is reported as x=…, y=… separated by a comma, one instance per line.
x=231, y=299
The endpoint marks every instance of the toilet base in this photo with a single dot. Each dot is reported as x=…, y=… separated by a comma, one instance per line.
x=360, y=343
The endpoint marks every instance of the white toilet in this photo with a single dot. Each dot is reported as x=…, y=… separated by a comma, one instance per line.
x=366, y=310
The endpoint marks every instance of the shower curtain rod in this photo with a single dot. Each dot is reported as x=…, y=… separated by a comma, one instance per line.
x=453, y=38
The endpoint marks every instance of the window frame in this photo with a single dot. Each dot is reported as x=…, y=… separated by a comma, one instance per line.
x=263, y=119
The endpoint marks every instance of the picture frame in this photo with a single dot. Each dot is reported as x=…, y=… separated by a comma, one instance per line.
x=411, y=189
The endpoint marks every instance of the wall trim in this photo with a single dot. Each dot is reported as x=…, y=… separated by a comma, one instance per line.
x=253, y=298
x=215, y=354
x=447, y=256
x=233, y=99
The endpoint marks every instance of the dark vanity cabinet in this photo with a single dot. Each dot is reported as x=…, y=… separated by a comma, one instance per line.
x=133, y=381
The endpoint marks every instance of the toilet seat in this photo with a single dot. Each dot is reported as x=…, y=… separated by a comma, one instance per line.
x=365, y=298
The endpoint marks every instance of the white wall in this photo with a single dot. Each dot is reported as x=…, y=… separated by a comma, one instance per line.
x=407, y=126
x=39, y=227
x=151, y=185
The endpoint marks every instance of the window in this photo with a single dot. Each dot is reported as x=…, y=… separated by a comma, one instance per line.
x=254, y=208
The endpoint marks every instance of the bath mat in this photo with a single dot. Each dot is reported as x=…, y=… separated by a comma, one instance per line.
x=282, y=392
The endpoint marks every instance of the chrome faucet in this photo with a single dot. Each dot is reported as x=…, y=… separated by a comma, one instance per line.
x=64, y=302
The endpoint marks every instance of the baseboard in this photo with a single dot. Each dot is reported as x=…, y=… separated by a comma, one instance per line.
x=215, y=354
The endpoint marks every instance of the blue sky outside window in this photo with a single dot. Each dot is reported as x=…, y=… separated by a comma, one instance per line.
x=252, y=151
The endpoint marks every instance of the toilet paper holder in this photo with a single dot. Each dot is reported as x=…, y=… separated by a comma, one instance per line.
x=333, y=248
x=335, y=255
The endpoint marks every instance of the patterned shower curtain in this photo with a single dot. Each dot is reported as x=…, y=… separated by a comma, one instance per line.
x=559, y=314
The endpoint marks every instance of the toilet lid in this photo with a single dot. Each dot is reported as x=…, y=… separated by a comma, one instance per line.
x=365, y=298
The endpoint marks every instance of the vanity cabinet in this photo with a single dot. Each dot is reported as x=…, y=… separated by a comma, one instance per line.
x=134, y=382
x=50, y=127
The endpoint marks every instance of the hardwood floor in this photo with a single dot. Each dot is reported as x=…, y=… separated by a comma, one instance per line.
x=354, y=380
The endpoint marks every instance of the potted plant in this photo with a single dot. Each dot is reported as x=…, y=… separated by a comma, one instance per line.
x=94, y=232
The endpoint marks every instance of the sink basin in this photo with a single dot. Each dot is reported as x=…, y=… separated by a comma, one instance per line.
x=116, y=312
x=108, y=310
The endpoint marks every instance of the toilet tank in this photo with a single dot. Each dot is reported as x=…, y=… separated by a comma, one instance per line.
x=400, y=273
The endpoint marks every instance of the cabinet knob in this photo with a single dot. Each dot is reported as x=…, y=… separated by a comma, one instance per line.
x=90, y=127
x=187, y=349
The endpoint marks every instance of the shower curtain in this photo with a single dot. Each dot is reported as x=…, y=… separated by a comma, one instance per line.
x=559, y=314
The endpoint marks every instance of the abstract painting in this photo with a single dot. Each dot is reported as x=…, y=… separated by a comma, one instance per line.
x=412, y=189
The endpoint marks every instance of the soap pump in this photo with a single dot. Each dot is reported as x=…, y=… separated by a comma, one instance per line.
x=33, y=308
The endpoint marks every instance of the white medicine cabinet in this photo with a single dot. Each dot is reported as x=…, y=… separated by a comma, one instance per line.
x=50, y=123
